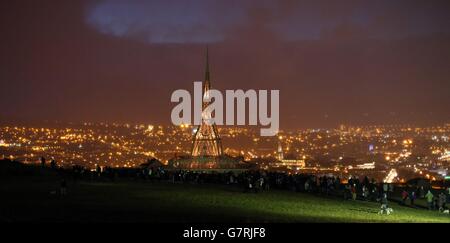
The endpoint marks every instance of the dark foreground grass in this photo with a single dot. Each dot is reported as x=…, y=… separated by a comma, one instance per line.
x=28, y=199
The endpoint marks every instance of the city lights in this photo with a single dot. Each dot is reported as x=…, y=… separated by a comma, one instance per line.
x=108, y=144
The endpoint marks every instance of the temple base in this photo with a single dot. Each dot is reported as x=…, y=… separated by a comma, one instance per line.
x=218, y=164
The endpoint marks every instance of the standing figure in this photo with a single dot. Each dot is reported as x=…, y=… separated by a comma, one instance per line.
x=63, y=189
x=429, y=196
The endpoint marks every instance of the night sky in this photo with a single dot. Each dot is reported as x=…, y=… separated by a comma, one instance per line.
x=351, y=62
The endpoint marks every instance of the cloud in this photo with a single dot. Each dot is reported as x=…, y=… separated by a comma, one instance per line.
x=202, y=21
x=197, y=21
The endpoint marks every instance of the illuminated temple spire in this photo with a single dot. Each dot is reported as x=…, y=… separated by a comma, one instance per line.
x=206, y=141
x=206, y=83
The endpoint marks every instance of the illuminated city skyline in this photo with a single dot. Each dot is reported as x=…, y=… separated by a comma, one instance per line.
x=379, y=62
x=307, y=111
x=346, y=150
x=354, y=67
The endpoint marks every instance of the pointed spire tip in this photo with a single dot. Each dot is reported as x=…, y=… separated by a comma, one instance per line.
x=207, y=65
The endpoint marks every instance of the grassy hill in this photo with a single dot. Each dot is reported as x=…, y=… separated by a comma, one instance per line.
x=31, y=198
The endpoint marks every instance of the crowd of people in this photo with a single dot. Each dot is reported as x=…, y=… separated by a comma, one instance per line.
x=352, y=188
x=349, y=189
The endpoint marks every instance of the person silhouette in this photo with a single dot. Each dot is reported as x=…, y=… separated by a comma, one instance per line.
x=63, y=190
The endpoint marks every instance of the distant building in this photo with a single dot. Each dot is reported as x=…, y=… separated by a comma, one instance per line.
x=371, y=148
x=366, y=166
x=280, y=155
x=290, y=161
x=445, y=156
